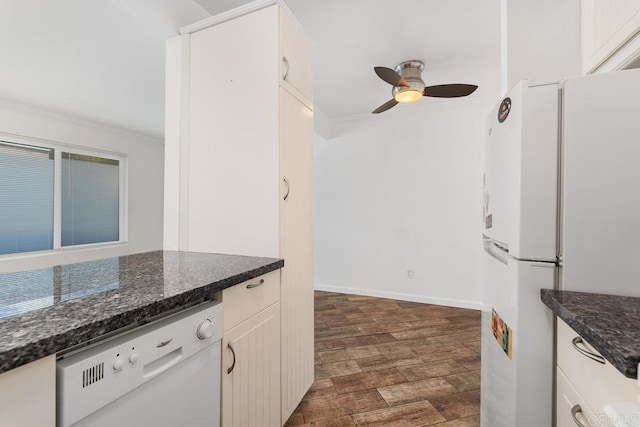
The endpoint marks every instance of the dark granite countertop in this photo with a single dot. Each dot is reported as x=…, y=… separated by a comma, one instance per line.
x=608, y=322
x=48, y=310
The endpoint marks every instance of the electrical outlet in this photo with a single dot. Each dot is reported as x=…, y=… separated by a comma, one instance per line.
x=410, y=273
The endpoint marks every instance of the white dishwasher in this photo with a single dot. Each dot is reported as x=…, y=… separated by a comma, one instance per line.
x=164, y=374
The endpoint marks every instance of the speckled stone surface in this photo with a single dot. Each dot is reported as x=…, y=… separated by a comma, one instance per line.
x=48, y=310
x=611, y=324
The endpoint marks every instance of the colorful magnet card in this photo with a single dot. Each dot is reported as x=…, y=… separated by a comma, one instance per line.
x=502, y=333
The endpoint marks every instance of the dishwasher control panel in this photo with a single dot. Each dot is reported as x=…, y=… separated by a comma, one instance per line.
x=91, y=378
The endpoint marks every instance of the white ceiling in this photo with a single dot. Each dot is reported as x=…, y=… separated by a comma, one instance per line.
x=100, y=60
x=104, y=60
x=459, y=41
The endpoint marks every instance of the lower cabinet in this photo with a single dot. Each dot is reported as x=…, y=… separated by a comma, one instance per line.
x=586, y=382
x=251, y=371
x=28, y=395
x=572, y=410
x=251, y=359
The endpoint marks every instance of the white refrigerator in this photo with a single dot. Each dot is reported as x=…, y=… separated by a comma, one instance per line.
x=561, y=210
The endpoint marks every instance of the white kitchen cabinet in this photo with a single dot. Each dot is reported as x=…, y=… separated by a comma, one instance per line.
x=251, y=353
x=570, y=406
x=585, y=378
x=238, y=160
x=296, y=66
x=247, y=299
x=251, y=371
x=296, y=237
x=28, y=395
x=607, y=27
x=251, y=379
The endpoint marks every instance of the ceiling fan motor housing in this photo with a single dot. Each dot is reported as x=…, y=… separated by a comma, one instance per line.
x=408, y=86
x=411, y=72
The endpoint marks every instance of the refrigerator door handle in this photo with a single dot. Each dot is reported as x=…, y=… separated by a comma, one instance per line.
x=495, y=251
x=544, y=264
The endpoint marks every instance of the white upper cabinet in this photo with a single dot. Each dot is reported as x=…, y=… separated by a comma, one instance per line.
x=607, y=26
x=296, y=62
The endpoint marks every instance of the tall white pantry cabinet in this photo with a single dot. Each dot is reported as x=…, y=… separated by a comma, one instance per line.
x=238, y=180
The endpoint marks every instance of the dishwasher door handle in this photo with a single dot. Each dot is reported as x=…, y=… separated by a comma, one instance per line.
x=162, y=364
x=233, y=365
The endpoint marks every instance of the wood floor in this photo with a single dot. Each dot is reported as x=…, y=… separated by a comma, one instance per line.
x=382, y=362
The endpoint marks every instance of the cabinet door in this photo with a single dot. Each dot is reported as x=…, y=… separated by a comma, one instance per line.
x=296, y=247
x=571, y=405
x=296, y=60
x=251, y=391
x=606, y=26
x=28, y=395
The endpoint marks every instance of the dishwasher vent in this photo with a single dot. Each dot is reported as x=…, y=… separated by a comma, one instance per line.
x=92, y=375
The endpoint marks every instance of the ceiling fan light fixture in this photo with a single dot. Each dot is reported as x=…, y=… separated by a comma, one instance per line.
x=407, y=94
x=413, y=87
x=408, y=86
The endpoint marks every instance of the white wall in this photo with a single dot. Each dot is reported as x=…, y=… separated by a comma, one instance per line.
x=403, y=190
x=145, y=179
x=540, y=40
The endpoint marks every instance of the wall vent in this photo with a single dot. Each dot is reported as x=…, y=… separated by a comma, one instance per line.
x=92, y=375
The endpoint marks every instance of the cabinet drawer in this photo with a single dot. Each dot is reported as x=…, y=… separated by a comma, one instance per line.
x=598, y=383
x=568, y=401
x=243, y=301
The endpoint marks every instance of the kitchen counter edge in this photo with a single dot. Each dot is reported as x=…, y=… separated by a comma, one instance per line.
x=91, y=331
x=597, y=318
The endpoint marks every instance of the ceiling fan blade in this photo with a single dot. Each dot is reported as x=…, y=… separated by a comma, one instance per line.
x=390, y=76
x=384, y=107
x=449, y=91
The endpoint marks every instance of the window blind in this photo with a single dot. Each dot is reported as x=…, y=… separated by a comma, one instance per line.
x=90, y=199
x=26, y=198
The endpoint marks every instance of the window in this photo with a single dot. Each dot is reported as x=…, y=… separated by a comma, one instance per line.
x=90, y=199
x=54, y=196
x=26, y=196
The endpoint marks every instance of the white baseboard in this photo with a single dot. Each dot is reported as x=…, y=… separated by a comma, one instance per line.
x=449, y=302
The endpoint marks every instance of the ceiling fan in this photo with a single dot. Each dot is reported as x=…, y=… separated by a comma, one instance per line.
x=408, y=85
